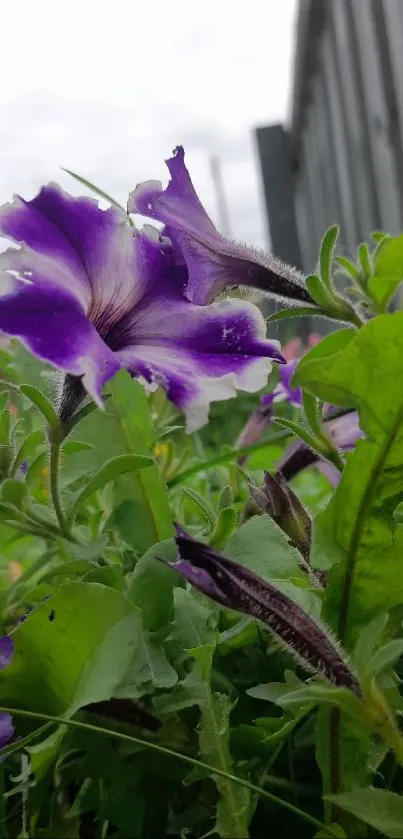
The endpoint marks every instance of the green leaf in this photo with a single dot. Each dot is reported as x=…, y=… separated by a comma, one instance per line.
x=388, y=270
x=201, y=503
x=194, y=624
x=319, y=292
x=42, y=404
x=387, y=655
x=110, y=472
x=359, y=520
x=310, y=366
x=225, y=525
x=348, y=267
x=124, y=427
x=278, y=564
x=28, y=447
x=367, y=641
x=381, y=809
x=73, y=649
x=327, y=247
x=295, y=312
x=13, y=492
x=149, y=670
x=364, y=259
x=152, y=583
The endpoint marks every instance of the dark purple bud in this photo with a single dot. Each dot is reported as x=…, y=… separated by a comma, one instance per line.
x=278, y=500
x=235, y=587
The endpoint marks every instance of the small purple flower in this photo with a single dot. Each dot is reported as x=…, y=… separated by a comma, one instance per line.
x=344, y=431
x=212, y=261
x=283, y=392
x=235, y=587
x=90, y=294
x=6, y=723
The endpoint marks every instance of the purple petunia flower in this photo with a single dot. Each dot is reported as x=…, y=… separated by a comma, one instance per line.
x=6, y=723
x=344, y=432
x=283, y=392
x=236, y=587
x=89, y=294
x=212, y=261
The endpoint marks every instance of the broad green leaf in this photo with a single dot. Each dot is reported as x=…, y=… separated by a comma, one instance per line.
x=149, y=669
x=381, y=809
x=13, y=492
x=194, y=624
x=388, y=270
x=387, y=655
x=358, y=524
x=124, y=427
x=73, y=649
x=42, y=404
x=263, y=548
x=152, y=583
x=110, y=472
x=312, y=363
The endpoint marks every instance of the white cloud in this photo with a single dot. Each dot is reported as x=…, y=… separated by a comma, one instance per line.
x=108, y=89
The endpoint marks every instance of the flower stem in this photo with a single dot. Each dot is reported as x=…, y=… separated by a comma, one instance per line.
x=55, y=443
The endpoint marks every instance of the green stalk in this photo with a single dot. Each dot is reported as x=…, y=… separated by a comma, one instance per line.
x=55, y=444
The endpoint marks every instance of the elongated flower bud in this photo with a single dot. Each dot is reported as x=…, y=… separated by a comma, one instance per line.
x=235, y=587
x=278, y=500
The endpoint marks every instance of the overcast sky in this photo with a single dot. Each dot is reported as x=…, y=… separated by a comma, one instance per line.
x=107, y=88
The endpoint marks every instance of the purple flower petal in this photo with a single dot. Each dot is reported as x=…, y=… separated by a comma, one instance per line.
x=89, y=294
x=199, y=354
x=6, y=729
x=6, y=651
x=213, y=262
x=50, y=324
x=344, y=431
x=283, y=391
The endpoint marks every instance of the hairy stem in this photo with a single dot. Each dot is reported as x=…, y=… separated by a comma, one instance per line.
x=55, y=443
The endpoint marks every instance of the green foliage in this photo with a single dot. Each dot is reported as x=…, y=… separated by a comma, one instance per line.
x=155, y=711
